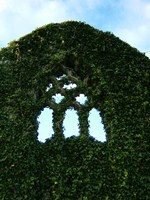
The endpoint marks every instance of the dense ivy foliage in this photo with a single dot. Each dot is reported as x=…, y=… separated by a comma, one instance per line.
x=116, y=79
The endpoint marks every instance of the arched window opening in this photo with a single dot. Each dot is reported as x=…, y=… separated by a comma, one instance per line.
x=96, y=128
x=45, y=129
x=70, y=123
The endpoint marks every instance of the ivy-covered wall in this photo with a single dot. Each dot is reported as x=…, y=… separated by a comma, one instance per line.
x=116, y=79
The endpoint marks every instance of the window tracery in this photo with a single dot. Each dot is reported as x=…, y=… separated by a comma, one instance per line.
x=68, y=92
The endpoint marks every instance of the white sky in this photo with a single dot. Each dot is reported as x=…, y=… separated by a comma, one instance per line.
x=127, y=19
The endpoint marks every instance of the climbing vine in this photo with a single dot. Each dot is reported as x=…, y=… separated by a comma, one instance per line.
x=116, y=79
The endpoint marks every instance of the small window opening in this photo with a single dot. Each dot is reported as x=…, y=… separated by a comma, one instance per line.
x=58, y=98
x=49, y=87
x=81, y=99
x=96, y=128
x=70, y=123
x=69, y=86
x=45, y=129
x=61, y=77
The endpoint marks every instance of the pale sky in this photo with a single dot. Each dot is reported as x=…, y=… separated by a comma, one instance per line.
x=127, y=19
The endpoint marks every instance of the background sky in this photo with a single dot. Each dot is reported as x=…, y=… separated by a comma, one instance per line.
x=127, y=19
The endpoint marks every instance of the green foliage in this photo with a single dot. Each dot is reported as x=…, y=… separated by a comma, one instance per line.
x=116, y=79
